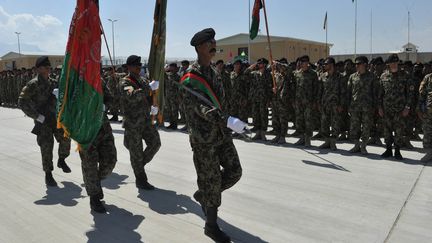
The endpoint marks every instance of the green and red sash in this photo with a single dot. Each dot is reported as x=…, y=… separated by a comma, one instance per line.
x=196, y=81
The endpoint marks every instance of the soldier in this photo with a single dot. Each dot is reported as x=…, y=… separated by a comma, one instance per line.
x=209, y=137
x=172, y=95
x=240, y=90
x=113, y=88
x=425, y=111
x=136, y=95
x=184, y=66
x=395, y=98
x=361, y=93
x=38, y=101
x=98, y=160
x=306, y=100
x=414, y=123
x=377, y=68
x=331, y=94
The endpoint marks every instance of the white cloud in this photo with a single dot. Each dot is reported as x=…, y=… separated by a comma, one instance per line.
x=46, y=31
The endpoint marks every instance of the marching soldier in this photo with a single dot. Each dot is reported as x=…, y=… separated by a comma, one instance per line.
x=425, y=111
x=172, y=95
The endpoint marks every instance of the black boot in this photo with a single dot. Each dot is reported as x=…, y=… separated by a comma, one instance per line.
x=172, y=126
x=62, y=164
x=142, y=182
x=212, y=229
x=96, y=204
x=398, y=154
x=49, y=179
x=198, y=197
x=388, y=153
x=114, y=118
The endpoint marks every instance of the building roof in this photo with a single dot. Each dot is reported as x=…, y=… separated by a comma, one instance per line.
x=243, y=38
x=14, y=55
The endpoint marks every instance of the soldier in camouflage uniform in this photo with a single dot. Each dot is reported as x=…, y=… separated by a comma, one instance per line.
x=209, y=137
x=112, y=82
x=362, y=95
x=377, y=67
x=136, y=95
x=99, y=159
x=331, y=93
x=172, y=95
x=425, y=111
x=414, y=123
x=306, y=100
x=395, y=97
x=38, y=101
x=260, y=94
x=240, y=90
x=348, y=69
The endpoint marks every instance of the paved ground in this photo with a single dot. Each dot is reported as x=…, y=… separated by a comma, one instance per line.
x=286, y=194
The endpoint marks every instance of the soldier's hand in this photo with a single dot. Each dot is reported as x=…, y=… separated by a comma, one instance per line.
x=236, y=125
x=129, y=89
x=405, y=112
x=380, y=112
x=154, y=85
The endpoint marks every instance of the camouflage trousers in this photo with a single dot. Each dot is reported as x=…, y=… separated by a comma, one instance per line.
x=281, y=115
x=239, y=109
x=330, y=121
x=172, y=111
x=260, y=115
x=413, y=122
x=45, y=140
x=133, y=141
x=304, y=121
x=361, y=123
x=212, y=180
x=98, y=161
x=377, y=128
x=394, y=122
x=427, y=130
x=115, y=106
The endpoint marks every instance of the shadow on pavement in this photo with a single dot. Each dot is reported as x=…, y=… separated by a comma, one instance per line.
x=169, y=202
x=114, y=181
x=117, y=225
x=65, y=195
x=329, y=166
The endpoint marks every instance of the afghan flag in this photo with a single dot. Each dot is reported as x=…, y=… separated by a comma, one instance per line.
x=255, y=19
x=80, y=101
x=196, y=81
x=156, y=63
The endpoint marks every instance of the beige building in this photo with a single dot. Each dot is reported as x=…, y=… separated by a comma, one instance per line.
x=13, y=60
x=290, y=48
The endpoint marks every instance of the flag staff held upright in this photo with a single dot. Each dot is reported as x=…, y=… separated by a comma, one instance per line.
x=270, y=50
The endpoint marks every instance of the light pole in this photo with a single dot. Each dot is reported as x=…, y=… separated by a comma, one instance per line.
x=19, y=46
x=112, y=24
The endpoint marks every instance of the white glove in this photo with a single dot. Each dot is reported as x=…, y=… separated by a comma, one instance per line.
x=55, y=92
x=236, y=124
x=40, y=118
x=154, y=85
x=154, y=110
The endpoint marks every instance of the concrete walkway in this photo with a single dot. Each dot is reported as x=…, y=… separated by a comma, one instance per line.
x=286, y=194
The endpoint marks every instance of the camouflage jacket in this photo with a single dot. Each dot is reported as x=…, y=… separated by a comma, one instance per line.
x=207, y=125
x=395, y=92
x=261, y=85
x=362, y=91
x=171, y=85
x=425, y=94
x=332, y=89
x=240, y=88
x=37, y=98
x=306, y=86
x=137, y=103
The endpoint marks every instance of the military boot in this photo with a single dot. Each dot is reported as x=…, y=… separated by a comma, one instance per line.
x=307, y=142
x=333, y=144
x=141, y=182
x=301, y=141
x=263, y=137
x=398, y=154
x=325, y=145
x=428, y=155
x=275, y=139
x=257, y=136
x=282, y=140
x=388, y=153
x=296, y=133
x=407, y=143
x=49, y=179
x=356, y=147
x=61, y=163
x=172, y=126
x=212, y=229
x=198, y=197
x=363, y=148
x=96, y=204
x=114, y=118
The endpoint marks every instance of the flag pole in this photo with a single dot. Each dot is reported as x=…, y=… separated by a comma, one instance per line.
x=355, y=30
x=270, y=50
x=326, y=29
x=249, y=41
x=106, y=44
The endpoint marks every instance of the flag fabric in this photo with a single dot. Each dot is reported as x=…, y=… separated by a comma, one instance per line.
x=80, y=101
x=325, y=21
x=196, y=81
x=156, y=63
x=255, y=19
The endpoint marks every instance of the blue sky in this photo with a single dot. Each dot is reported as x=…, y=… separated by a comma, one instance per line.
x=44, y=24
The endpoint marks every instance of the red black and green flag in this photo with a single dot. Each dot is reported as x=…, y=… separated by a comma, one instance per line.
x=80, y=102
x=196, y=81
x=255, y=19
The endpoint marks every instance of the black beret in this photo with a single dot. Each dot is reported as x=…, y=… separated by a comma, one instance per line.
x=134, y=60
x=348, y=61
x=262, y=60
x=203, y=36
x=392, y=58
x=361, y=60
x=283, y=60
x=304, y=58
x=329, y=60
x=219, y=61
x=408, y=63
x=173, y=64
x=379, y=61
x=42, y=62
x=185, y=62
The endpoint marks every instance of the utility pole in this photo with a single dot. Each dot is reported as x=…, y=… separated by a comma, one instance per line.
x=113, y=47
x=19, y=45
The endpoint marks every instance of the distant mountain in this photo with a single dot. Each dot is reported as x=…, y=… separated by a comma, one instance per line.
x=5, y=48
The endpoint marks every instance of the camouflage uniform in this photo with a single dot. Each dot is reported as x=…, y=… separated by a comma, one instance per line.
x=362, y=95
x=306, y=100
x=425, y=106
x=345, y=118
x=260, y=94
x=137, y=122
x=172, y=97
x=211, y=142
x=113, y=88
x=37, y=99
x=394, y=95
x=239, y=97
